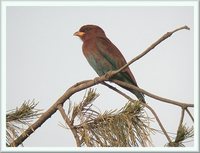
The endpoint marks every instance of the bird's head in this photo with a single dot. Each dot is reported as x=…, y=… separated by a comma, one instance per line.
x=89, y=31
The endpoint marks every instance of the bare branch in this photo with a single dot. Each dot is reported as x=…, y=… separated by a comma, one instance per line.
x=165, y=36
x=118, y=91
x=183, y=105
x=68, y=122
x=181, y=119
x=189, y=114
x=159, y=122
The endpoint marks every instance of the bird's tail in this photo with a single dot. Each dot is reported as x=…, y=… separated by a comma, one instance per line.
x=126, y=78
x=138, y=94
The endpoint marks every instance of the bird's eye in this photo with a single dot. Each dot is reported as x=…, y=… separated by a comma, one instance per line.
x=86, y=29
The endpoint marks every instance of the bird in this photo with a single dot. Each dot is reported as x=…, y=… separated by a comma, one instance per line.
x=103, y=56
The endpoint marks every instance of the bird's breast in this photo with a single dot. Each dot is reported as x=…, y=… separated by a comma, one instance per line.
x=95, y=58
x=88, y=46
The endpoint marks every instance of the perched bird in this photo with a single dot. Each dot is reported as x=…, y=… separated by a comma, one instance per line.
x=104, y=56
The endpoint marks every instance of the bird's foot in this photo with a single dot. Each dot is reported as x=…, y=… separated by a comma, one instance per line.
x=109, y=75
x=96, y=80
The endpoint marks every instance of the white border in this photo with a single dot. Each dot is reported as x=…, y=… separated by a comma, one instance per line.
x=196, y=74
x=4, y=5
x=98, y=3
x=3, y=75
x=101, y=149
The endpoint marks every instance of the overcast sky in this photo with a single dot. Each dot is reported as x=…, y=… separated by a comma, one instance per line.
x=44, y=59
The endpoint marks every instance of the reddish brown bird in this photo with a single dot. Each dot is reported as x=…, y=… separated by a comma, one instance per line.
x=104, y=56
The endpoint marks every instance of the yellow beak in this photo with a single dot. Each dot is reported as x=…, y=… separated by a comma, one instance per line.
x=78, y=33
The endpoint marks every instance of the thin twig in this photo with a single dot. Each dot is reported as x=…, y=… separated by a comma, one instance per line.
x=181, y=119
x=189, y=114
x=159, y=122
x=165, y=36
x=68, y=122
x=118, y=91
x=130, y=86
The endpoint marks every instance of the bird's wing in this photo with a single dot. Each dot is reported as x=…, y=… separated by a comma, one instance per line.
x=112, y=54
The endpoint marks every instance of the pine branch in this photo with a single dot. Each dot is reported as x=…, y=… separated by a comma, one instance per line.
x=128, y=126
x=183, y=133
x=19, y=118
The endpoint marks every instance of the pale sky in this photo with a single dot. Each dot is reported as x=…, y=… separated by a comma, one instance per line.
x=44, y=59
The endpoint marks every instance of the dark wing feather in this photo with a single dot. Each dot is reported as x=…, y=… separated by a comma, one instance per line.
x=110, y=52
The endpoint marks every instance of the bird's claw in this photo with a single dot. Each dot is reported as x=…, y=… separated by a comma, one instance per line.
x=96, y=80
x=108, y=75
